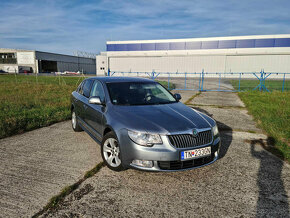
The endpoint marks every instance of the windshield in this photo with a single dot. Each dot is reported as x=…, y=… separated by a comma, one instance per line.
x=139, y=93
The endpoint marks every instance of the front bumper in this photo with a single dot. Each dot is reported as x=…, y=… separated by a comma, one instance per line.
x=165, y=157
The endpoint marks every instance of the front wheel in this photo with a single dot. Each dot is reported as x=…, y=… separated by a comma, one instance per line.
x=111, y=152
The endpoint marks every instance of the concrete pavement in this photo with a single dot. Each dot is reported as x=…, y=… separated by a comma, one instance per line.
x=247, y=181
x=37, y=165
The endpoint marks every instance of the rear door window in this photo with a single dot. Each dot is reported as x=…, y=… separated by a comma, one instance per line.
x=87, y=88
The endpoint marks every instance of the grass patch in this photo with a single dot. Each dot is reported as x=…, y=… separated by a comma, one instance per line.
x=55, y=200
x=93, y=171
x=30, y=102
x=216, y=106
x=271, y=85
x=192, y=97
x=165, y=84
x=271, y=112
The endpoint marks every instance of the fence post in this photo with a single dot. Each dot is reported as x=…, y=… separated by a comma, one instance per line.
x=264, y=78
x=240, y=82
x=283, y=82
x=262, y=81
x=202, y=78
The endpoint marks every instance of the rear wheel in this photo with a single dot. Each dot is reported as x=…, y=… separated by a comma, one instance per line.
x=74, y=122
x=111, y=152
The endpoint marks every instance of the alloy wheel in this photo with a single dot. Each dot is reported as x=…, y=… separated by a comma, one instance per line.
x=111, y=152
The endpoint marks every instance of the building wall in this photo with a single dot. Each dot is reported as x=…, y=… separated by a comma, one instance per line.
x=254, y=63
x=191, y=64
x=221, y=54
x=25, y=60
x=101, y=64
x=168, y=64
x=33, y=59
x=69, y=63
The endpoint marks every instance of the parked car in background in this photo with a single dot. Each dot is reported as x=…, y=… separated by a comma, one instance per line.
x=141, y=125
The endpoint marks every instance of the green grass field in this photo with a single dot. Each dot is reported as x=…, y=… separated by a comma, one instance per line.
x=272, y=113
x=30, y=102
x=271, y=85
x=165, y=84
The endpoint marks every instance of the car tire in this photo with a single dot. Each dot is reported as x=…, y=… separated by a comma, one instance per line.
x=75, y=123
x=111, y=153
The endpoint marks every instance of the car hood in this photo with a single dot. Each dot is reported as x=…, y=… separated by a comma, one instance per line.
x=162, y=119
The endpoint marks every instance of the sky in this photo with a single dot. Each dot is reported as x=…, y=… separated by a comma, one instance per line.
x=67, y=26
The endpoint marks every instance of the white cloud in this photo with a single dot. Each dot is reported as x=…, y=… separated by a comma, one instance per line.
x=65, y=26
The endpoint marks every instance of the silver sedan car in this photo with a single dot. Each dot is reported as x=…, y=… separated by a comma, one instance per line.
x=141, y=125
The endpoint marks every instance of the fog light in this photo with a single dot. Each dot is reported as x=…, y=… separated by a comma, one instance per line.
x=143, y=163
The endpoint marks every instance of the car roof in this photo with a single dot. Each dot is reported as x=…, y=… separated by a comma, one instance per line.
x=122, y=79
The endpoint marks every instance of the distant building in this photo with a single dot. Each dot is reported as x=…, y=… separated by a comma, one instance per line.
x=18, y=61
x=217, y=54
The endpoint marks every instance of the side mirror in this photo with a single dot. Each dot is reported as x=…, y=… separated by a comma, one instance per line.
x=177, y=96
x=95, y=100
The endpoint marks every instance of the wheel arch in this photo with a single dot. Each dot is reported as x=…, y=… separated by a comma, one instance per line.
x=108, y=129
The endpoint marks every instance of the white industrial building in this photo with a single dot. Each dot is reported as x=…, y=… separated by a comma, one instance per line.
x=18, y=61
x=215, y=54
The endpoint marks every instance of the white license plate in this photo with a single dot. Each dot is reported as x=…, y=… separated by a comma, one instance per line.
x=191, y=154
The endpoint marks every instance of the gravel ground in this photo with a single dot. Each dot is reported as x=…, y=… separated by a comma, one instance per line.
x=247, y=181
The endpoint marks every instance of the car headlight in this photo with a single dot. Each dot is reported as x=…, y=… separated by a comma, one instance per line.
x=144, y=139
x=215, y=130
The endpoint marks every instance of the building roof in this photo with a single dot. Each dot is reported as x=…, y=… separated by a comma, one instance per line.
x=14, y=50
x=202, y=39
x=43, y=52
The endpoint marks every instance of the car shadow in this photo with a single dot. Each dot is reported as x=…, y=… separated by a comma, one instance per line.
x=226, y=133
x=273, y=199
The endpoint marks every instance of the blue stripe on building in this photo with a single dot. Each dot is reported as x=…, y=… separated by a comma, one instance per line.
x=195, y=45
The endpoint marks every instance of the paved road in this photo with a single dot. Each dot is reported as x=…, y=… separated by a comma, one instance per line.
x=246, y=181
x=194, y=83
x=36, y=165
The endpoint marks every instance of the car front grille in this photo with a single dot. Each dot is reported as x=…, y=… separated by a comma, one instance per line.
x=178, y=165
x=187, y=140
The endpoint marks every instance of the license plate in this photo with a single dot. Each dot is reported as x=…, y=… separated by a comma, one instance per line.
x=192, y=154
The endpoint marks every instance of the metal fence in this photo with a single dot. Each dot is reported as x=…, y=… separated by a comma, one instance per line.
x=225, y=82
